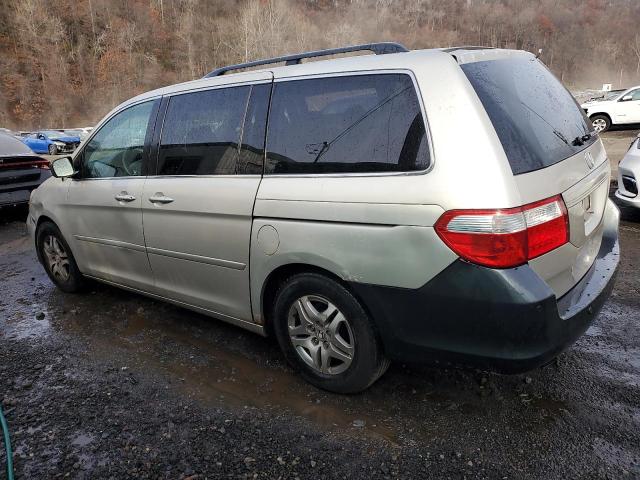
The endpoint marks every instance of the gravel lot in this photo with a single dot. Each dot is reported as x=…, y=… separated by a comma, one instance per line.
x=109, y=384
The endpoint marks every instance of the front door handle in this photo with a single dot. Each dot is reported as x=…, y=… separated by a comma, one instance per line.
x=124, y=197
x=160, y=197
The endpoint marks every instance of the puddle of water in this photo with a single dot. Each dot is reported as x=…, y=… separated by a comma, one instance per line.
x=619, y=362
x=20, y=326
x=616, y=456
x=203, y=369
x=32, y=430
x=594, y=331
x=82, y=440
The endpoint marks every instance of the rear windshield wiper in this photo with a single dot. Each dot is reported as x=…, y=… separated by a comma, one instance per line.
x=579, y=141
x=555, y=131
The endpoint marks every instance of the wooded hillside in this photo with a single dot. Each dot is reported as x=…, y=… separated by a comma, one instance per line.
x=66, y=63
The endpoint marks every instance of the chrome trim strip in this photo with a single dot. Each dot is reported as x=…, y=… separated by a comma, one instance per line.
x=149, y=177
x=110, y=243
x=587, y=185
x=247, y=325
x=197, y=258
x=248, y=175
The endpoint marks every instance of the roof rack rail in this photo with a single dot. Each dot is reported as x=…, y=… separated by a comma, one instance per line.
x=380, y=48
x=466, y=47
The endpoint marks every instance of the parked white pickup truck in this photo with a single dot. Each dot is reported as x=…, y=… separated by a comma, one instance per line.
x=617, y=107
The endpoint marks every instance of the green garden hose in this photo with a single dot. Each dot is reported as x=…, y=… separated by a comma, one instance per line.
x=7, y=445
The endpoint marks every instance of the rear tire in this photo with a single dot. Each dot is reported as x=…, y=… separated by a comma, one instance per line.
x=326, y=335
x=56, y=257
x=53, y=149
x=601, y=123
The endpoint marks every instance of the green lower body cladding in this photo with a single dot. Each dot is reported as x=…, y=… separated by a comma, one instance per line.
x=505, y=320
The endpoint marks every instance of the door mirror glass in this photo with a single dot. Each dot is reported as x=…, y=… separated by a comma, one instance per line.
x=626, y=98
x=62, y=167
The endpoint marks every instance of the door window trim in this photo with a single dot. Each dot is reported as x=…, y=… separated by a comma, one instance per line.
x=79, y=156
x=388, y=71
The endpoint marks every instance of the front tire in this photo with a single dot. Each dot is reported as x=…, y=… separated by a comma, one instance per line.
x=326, y=335
x=56, y=257
x=601, y=123
x=53, y=149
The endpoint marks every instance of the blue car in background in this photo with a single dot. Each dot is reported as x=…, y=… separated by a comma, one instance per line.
x=51, y=142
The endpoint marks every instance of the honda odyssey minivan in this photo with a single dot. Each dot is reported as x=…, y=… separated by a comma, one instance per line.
x=446, y=205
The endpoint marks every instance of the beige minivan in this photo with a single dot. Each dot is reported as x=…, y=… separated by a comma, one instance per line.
x=445, y=205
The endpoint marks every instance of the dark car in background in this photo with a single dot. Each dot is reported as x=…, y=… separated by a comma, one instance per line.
x=52, y=142
x=21, y=171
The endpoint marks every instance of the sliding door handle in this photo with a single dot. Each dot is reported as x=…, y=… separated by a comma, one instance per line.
x=124, y=197
x=160, y=198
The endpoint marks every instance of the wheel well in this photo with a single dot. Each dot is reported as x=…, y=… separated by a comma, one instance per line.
x=42, y=219
x=278, y=277
x=601, y=114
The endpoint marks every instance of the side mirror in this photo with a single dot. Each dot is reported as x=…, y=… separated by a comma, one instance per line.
x=626, y=98
x=62, y=168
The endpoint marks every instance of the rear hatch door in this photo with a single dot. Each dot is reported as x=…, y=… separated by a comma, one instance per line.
x=551, y=148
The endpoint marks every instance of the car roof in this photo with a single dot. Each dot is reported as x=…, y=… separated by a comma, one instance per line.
x=391, y=61
x=10, y=146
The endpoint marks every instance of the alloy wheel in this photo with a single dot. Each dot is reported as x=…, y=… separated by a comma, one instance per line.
x=599, y=124
x=321, y=334
x=57, y=258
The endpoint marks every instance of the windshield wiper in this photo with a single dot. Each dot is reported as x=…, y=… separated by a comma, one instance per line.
x=327, y=145
x=579, y=141
x=556, y=132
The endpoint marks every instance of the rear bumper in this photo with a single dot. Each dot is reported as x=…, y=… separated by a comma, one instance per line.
x=504, y=320
x=18, y=192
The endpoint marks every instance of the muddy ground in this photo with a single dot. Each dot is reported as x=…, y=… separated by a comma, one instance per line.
x=110, y=384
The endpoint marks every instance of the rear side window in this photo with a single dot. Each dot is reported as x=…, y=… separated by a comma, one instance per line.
x=351, y=124
x=537, y=120
x=201, y=132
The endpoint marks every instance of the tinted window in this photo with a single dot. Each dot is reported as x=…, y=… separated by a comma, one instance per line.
x=537, y=120
x=253, y=132
x=364, y=123
x=116, y=149
x=201, y=132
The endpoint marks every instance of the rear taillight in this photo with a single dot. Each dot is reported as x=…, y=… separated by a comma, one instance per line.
x=506, y=238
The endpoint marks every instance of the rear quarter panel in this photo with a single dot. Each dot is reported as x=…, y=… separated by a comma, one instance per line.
x=378, y=229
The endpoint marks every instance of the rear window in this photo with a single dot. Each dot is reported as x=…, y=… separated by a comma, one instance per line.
x=538, y=121
x=359, y=124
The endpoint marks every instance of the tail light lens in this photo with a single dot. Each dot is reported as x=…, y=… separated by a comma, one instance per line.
x=20, y=163
x=505, y=238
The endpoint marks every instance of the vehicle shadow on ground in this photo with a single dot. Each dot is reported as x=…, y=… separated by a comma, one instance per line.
x=220, y=365
x=13, y=214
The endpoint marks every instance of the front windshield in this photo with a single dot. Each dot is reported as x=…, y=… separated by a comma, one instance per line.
x=606, y=96
x=612, y=95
